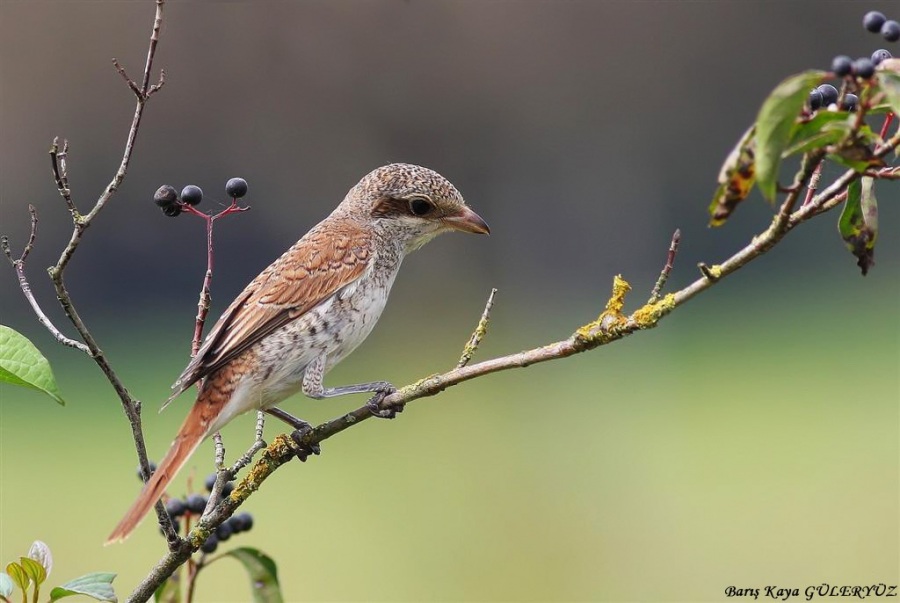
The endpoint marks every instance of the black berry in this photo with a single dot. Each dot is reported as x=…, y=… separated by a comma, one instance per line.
x=873, y=21
x=890, y=31
x=165, y=196
x=211, y=544
x=880, y=55
x=224, y=531
x=192, y=195
x=175, y=507
x=237, y=524
x=173, y=211
x=815, y=100
x=864, y=68
x=850, y=102
x=236, y=188
x=210, y=481
x=241, y=522
x=829, y=94
x=196, y=503
x=152, y=469
x=841, y=65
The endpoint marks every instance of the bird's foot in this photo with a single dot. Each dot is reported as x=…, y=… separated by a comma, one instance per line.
x=299, y=437
x=374, y=402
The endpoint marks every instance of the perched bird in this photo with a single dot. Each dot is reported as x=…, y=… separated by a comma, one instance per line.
x=308, y=310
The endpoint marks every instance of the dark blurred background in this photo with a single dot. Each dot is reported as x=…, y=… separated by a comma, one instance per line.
x=751, y=439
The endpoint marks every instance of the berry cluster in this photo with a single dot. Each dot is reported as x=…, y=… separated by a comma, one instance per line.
x=876, y=22
x=827, y=96
x=193, y=505
x=168, y=199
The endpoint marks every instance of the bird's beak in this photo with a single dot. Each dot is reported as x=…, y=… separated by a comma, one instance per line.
x=467, y=221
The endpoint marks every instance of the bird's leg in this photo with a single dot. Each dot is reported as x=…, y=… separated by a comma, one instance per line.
x=314, y=388
x=301, y=429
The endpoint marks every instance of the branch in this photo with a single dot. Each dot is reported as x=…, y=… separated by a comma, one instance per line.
x=80, y=223
x=478, y=334
x=610, y=326
x=19, y=266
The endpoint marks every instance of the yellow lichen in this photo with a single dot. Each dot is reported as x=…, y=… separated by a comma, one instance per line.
x=647, y=316
x=603, y=329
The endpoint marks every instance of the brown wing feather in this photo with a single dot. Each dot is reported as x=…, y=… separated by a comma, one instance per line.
x=326, y=259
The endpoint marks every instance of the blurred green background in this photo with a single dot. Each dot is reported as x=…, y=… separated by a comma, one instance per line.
x=752, y=439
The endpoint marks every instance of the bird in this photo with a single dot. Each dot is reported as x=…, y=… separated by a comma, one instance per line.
x=307, y=311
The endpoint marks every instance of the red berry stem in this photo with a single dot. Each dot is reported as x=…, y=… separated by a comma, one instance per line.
x=888, y=118
x=205, y=297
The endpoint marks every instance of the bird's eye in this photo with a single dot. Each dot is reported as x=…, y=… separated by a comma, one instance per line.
x=419, y=206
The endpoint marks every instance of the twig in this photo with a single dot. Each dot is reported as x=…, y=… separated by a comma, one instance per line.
x=131, y=83
x=808, y=167
x=58, y=165
x=19, y=265
x=667, y=269
x=258, y=444
x=887, y=124
x=813, y=183
x=479, y=332
x=205, y=297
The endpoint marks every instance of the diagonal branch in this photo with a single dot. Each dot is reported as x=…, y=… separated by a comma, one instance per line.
x=610, y=326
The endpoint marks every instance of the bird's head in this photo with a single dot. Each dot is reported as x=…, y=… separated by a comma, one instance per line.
x=412, y=204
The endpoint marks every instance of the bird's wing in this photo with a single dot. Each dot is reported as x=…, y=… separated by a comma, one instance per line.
x=315, y=268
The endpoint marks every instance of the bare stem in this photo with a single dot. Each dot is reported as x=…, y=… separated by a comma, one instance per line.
x=479, y=332
x=667, y=269
x=205, y=297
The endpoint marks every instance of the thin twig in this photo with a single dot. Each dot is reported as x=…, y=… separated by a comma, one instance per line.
x=808, y=167
x=667, y=269
x=205, y=300
x=258, y=444
x=25, y=286
x=887, y=124
x=58, y=166
x=813, y=183
x=479, y=332
x=131, y=83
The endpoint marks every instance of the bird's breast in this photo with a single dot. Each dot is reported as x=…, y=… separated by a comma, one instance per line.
x=335, y=328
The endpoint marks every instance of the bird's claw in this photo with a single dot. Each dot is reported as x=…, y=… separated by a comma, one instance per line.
x=375, y=401
x=304, y=449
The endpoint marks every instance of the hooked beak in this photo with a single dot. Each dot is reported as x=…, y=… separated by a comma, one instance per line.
x=467, y=221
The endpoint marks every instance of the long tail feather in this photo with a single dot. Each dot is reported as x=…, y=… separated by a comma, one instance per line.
x=193, y=431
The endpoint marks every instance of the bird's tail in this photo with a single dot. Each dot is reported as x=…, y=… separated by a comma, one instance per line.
x=193, y=431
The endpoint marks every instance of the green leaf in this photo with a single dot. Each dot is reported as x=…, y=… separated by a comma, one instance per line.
x=890, y=85
x=18, y=575
x=22, y=364
x=40, y=552
x=858, y=223
x=263, y=574
x=775, y=125
x=827, y=127
x=34, y=570
x=6, y=585
x=97, y=585
x=736, y=178
x=170, y=590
